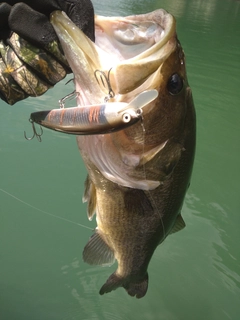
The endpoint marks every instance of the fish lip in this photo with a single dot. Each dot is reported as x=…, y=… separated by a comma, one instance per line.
x=97, y=59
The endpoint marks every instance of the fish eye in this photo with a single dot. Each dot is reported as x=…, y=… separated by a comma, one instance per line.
x=175, y=84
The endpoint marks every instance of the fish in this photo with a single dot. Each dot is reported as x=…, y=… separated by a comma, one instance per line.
x=138, y=176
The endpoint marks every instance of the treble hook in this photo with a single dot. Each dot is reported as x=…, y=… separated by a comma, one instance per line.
x=35, y=134
x=105, y=79
x=71, y=95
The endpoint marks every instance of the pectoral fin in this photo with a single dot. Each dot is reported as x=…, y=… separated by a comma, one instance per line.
x=179, y=224
x=97, y=252
x=163, y=161
x=149, y=155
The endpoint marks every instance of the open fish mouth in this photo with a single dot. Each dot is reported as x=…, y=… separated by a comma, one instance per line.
x=127, y=59
x=126, y=53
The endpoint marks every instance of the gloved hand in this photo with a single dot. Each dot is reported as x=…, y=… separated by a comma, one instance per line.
x=31, y=59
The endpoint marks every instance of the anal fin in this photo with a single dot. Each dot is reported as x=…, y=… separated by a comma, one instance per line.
x=179, y=224
x=97, y=252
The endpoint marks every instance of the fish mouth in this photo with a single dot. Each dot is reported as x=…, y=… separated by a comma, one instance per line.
x=126, y=55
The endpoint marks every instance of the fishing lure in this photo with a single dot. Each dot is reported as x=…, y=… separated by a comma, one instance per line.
x=95, y=119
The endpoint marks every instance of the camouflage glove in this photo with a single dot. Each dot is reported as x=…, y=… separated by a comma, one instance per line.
x=31, y=59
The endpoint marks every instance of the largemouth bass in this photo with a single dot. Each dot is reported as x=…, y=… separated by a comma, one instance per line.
x=138, y=176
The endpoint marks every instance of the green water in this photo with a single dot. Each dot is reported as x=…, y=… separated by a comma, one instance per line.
x=195, y=274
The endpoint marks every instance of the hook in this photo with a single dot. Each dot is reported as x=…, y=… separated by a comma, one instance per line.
x=68, y=96
x=69, y=81
x=71, y=95
x=35, y=134
x=105, y=79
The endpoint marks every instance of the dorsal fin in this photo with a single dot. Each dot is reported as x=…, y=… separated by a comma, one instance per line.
x=97, y=252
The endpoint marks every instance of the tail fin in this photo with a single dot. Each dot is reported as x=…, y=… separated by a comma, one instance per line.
x=138, y=289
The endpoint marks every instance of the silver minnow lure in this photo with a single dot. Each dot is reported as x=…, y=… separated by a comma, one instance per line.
x=95, y=119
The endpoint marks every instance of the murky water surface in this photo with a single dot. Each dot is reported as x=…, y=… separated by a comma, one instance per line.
x=195, y=274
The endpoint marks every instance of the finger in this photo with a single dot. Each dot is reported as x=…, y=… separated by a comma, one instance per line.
x=43, y=6
x=31, y=25
x=81, y=12
x=4, y=13
x=35, y=28
x=43, y=63
x=10, y=91
x=28, y=81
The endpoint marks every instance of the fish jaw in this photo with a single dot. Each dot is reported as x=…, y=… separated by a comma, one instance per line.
x=82, y=55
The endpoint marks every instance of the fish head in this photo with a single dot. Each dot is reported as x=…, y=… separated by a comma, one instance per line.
x=136, y=53
x=132, y=55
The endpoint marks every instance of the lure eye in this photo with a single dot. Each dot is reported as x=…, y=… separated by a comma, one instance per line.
x=175, y=84
x=126, y=117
